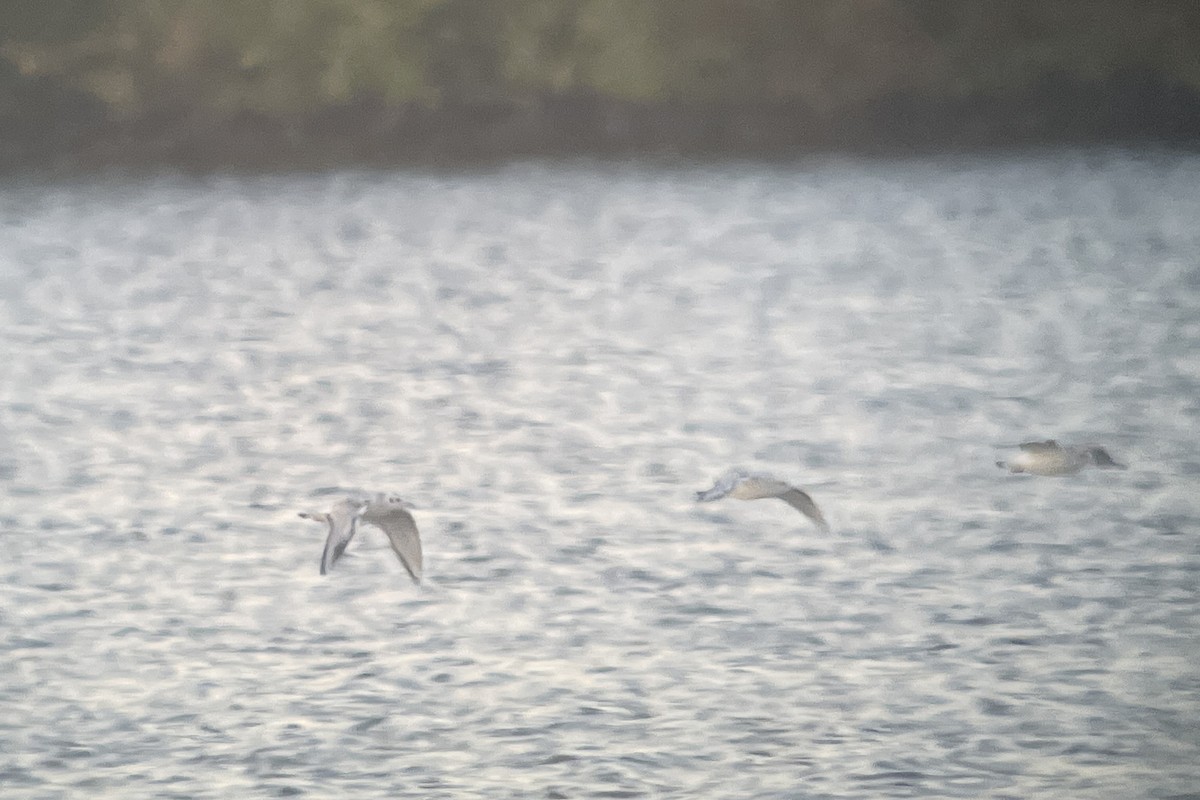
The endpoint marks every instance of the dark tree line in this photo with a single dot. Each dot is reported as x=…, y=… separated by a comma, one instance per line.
x=364, y=79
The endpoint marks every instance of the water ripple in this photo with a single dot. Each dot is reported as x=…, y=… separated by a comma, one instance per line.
x=549, y=359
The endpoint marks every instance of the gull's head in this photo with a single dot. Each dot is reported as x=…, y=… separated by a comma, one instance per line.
x=723, y=485
x=393, y=500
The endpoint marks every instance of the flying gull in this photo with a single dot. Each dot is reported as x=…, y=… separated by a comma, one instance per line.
x=1051, y=458
x=744, y=485
x=386, y=512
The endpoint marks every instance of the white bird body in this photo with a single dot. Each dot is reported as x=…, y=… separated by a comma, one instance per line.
x=386, y=512
x=742, y=485
x=1051, y=458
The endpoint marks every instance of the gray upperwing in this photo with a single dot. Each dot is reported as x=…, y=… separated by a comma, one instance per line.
x=392, y=518
x=343, y=524
x=1103, y=460
x=802, y=502
x=1048, y=446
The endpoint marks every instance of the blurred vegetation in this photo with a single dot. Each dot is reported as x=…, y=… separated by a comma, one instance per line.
x=214, y=60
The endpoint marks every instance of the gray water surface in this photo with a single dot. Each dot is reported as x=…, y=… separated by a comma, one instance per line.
x=548, y=360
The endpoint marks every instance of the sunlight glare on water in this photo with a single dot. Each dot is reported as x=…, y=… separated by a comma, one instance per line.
x=549, y=360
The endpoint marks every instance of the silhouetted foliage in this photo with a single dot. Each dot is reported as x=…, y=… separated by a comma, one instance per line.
x=754, y=69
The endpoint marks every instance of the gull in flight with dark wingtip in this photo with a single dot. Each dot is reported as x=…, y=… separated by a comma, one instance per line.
x=386, y=512
x=744, y=485
x=1051, y=458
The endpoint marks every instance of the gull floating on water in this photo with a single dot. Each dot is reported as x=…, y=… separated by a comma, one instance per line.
x=742, y=485
x=386, y=512
x=1051, y=458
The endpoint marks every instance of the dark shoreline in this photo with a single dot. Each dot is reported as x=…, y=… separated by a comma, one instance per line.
x=42, y=127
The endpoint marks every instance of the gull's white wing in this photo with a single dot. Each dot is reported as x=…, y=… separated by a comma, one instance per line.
x=343, y=523
x=760, y=485
x=801, y=501
x=390, y=514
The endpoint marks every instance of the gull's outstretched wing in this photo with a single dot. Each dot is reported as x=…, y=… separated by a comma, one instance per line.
x=343, y=523
x=390, y=514
x=802, y=502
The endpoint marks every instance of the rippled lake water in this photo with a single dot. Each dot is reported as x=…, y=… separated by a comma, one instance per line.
x=548, y=360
